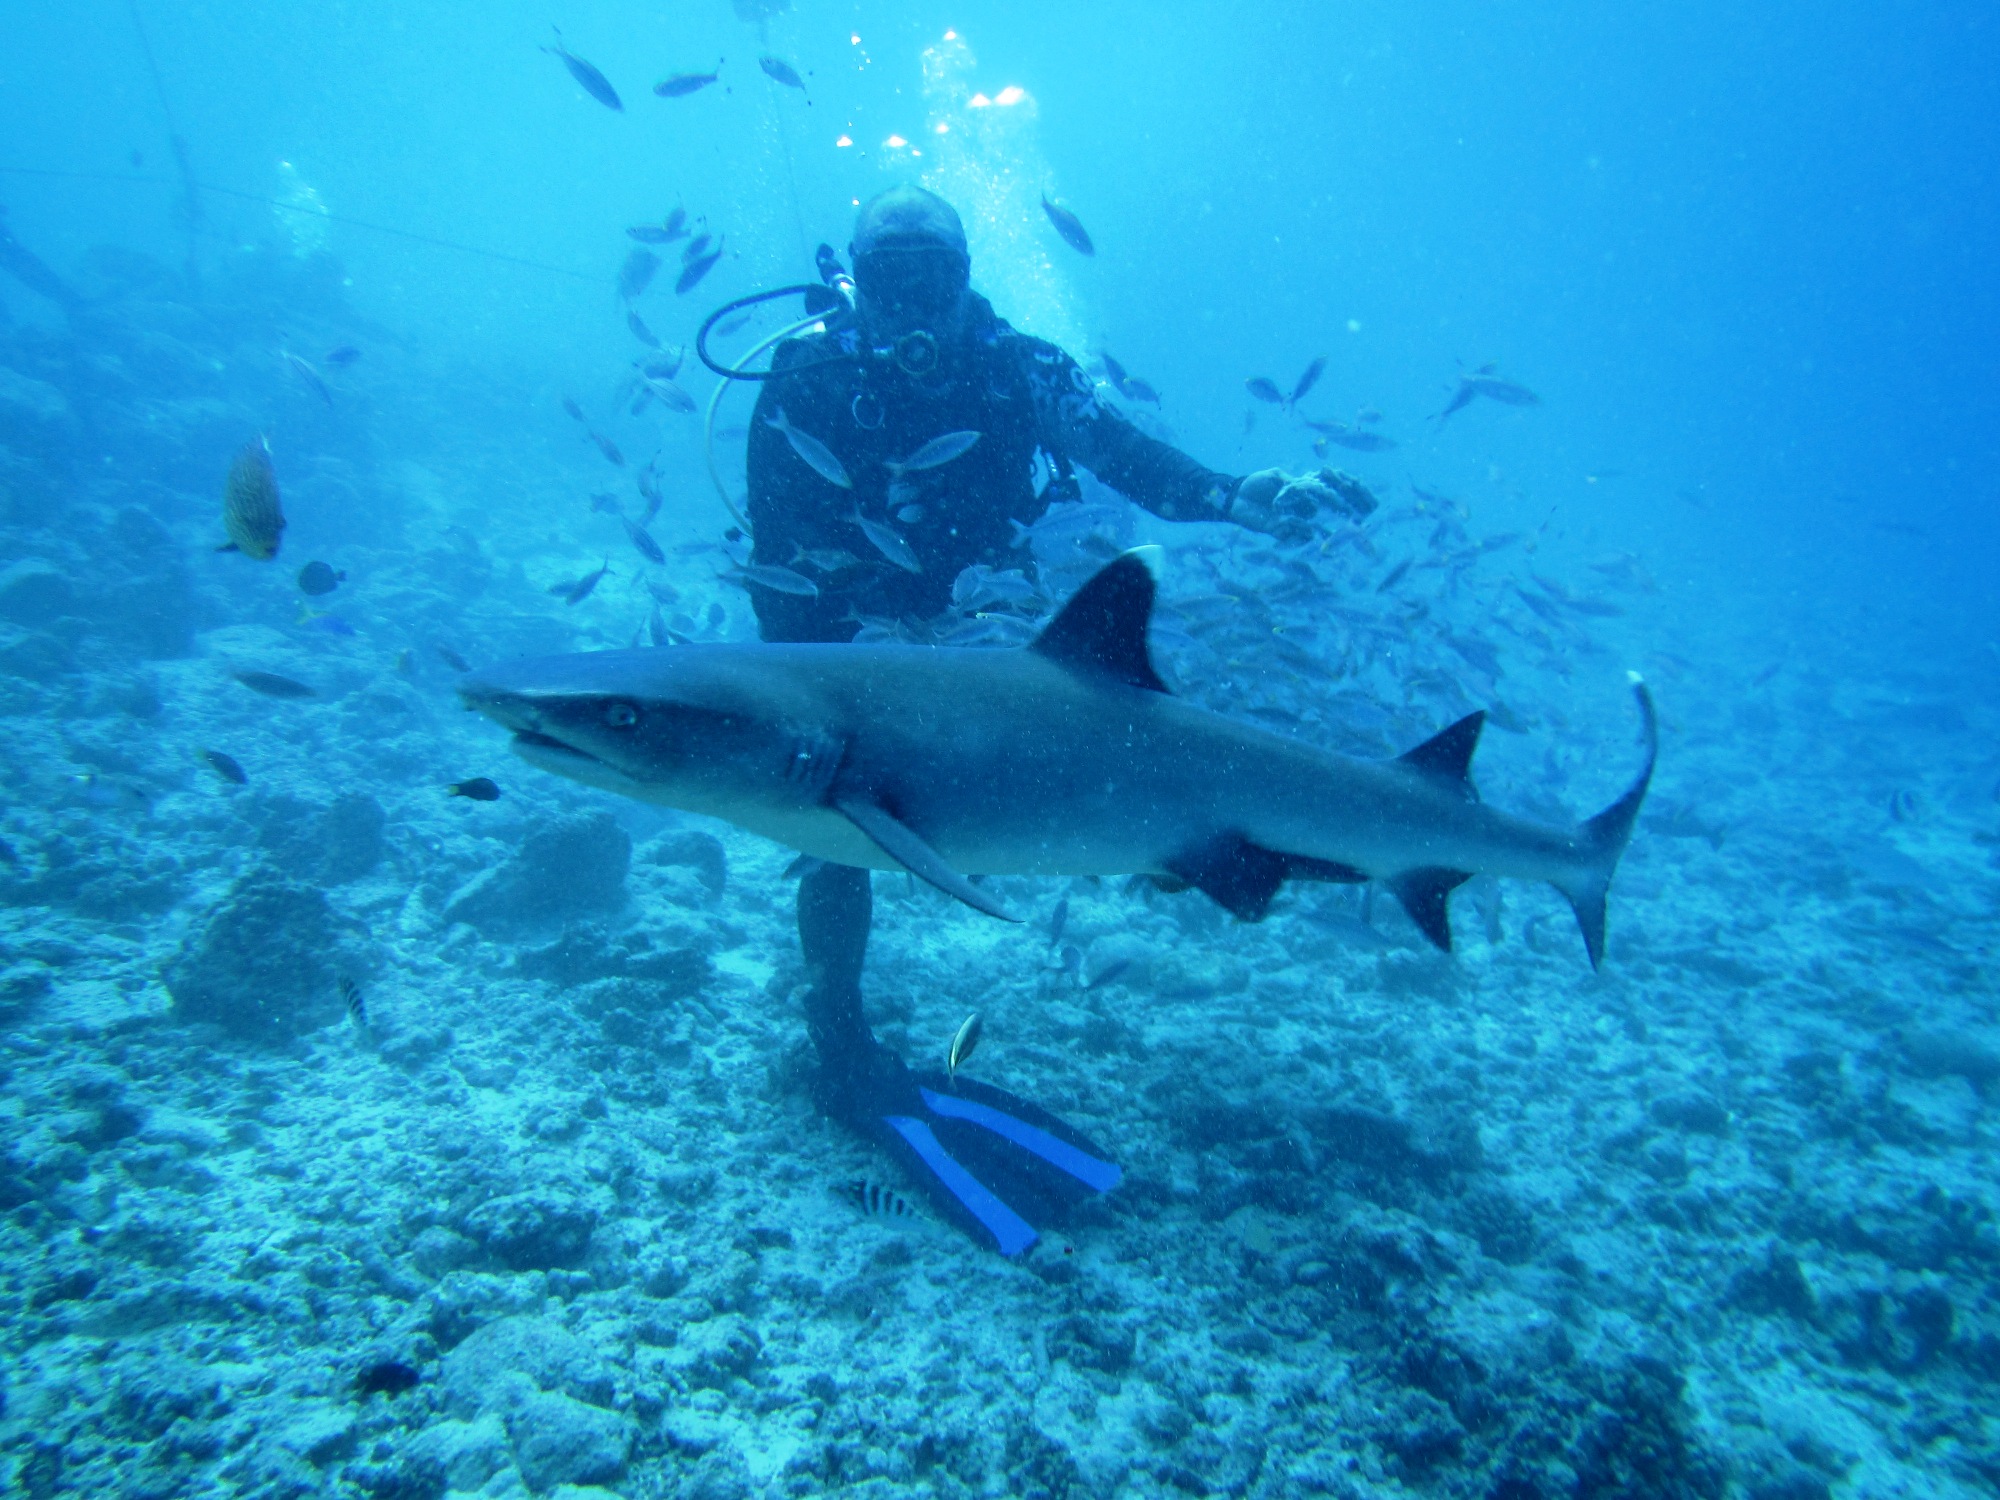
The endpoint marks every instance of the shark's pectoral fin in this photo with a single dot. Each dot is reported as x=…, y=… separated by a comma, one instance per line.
x=900, y=842
x=1242, y=877
x=1424, y=894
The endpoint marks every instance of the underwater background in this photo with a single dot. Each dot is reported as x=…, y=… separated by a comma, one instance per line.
x=363, y=1139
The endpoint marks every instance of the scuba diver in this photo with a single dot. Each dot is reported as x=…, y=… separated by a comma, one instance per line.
x=844, y=435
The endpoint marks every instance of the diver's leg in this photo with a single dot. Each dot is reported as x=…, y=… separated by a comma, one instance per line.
x=984, y=1156
x=836, y=907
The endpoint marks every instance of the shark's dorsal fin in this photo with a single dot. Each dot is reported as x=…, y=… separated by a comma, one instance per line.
x=1447, y=755
x=1103, y=627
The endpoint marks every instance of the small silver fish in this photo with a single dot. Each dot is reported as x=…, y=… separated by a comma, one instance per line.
x=588, y=78
x=939, y=451
x=1307, y=381
x=823, y=559
x=647, y=481
x=780, y=71
x=885, y=541
x=695, y=269
x=671, y=396
x=577, y=592
x=226, y=766
x=1507, y=392
x=962, y=1044
x=782, y=580
x=814, y=454
x=642, y=542
x=640, y=331
x=1069, y=226
x=1360, y=442
x=271, y=685
x=680, y=85
x=304, y=370
x=1058, y=919
x=910, y=515
x=1484, y=382
x=637, y=272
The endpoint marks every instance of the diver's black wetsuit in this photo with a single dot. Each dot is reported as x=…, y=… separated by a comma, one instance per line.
x=1020, y=394
x=1023, y=396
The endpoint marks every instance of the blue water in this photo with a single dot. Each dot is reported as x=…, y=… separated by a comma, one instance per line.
x=1718, y=1220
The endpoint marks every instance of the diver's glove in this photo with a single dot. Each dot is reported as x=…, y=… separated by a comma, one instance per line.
x=1287, y=505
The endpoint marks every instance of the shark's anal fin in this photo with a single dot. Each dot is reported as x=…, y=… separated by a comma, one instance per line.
x=1446, y=757
x=897, y=840
x=1103, y=627
x=1242, y=877
x=1425, y=896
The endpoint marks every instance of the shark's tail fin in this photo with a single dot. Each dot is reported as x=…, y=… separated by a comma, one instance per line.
x=1602, y=840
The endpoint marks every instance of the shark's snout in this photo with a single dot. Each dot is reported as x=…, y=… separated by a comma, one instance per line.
x=548, y=704
x=483, y=694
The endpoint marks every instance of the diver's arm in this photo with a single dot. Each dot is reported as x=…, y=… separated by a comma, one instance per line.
x=1151, y=473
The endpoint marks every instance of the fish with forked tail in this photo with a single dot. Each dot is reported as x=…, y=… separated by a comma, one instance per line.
x=587, y=76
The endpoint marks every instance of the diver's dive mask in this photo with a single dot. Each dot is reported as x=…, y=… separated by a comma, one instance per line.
x=909, y=287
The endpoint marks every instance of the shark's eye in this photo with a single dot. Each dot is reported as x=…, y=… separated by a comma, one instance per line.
x=620, y=715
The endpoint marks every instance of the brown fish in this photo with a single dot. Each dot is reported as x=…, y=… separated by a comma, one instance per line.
x=251, y=512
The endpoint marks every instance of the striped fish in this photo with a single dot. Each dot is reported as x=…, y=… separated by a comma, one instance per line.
x=251, y=512
x=357, y=1008
x=878, y=1201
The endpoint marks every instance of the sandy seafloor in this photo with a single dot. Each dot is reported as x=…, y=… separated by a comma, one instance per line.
x=1718, y=1220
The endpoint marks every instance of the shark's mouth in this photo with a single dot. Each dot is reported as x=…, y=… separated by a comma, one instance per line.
x=532, y=745
x=553, y=755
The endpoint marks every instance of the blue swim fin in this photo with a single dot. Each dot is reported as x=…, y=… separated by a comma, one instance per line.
x=995, y=1164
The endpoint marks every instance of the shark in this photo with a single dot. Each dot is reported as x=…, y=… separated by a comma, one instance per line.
x=1068, y=756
